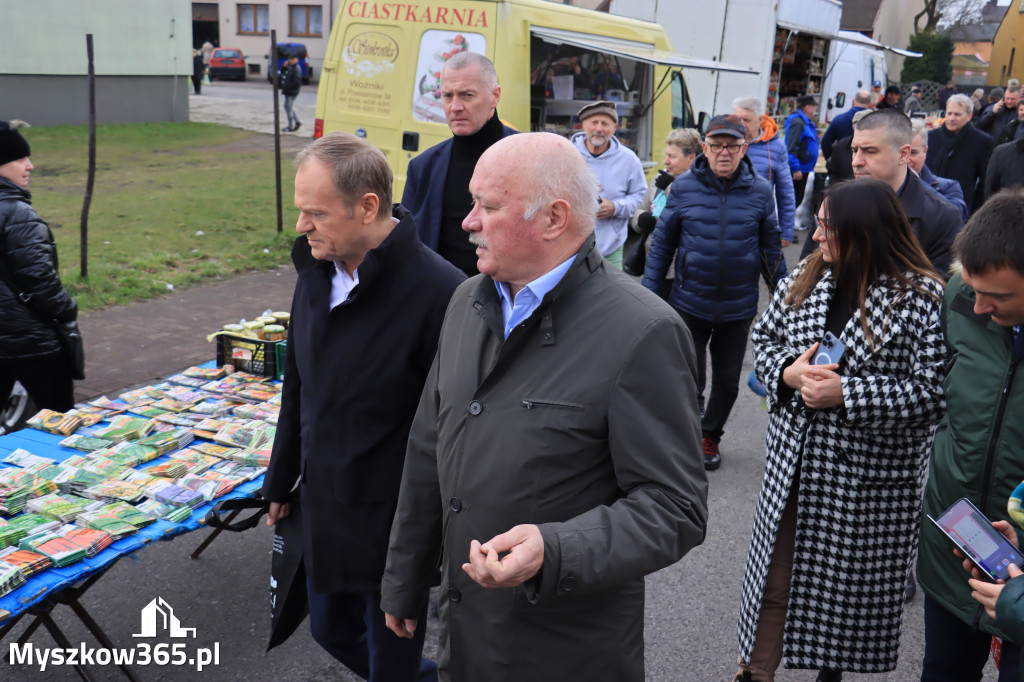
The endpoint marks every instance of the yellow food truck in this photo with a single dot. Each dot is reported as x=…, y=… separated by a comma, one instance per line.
x=381, y=74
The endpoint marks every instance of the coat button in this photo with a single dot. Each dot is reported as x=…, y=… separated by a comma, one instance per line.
x=455, y=504
x=476, y=407
x=454, y=595
x=567, y=583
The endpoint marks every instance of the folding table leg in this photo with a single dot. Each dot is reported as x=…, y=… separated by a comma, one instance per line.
x=63, y=642
x=213, y=536
x=99, y=634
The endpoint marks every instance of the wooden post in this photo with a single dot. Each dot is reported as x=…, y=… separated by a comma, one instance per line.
x=91, y=177
x=277, y=126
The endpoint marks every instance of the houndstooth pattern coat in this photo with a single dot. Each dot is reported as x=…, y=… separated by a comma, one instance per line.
x=858, y=469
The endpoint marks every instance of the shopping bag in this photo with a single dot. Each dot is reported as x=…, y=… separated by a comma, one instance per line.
x=289, y=604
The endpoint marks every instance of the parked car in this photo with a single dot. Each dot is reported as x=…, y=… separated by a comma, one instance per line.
x=227, y=62
x=286, y=50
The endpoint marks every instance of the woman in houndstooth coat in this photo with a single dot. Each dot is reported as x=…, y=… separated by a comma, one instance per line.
x=835, y=530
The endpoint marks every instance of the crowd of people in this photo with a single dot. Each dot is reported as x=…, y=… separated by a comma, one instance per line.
x=478, y=397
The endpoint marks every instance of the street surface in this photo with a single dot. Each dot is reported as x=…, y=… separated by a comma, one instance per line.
x=691, y=607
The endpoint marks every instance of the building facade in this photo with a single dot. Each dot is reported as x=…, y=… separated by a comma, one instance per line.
x=1006, y=63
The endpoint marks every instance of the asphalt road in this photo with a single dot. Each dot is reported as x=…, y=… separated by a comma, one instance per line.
x=690, y=627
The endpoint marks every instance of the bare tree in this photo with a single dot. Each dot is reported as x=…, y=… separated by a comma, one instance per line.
x=947, y=13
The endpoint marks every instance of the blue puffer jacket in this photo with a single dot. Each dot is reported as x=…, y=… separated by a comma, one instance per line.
x=721, y=237
x=801, y=142
x=768, y=154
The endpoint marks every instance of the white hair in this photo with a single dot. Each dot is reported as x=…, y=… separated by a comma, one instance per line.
x=564, y=176
x=963, y=100
x=919, y=128
x=462, y=60
x=750, y=103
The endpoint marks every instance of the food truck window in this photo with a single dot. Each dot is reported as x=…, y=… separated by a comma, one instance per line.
x=682, y=109
x=436, y=48
x=563, y=78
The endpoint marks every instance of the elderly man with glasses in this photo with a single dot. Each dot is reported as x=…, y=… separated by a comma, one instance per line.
x=720, y=227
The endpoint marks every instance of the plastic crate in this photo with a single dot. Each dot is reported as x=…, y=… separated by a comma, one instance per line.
x=264, y=358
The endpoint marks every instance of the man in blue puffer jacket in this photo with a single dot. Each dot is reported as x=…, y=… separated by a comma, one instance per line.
x=768, y=154
x=802, y=143
x=719, y=224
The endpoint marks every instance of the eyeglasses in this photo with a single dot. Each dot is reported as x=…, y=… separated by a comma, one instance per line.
x=719, y=148
x=825, y=227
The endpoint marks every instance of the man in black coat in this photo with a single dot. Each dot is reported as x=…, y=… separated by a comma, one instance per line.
x=995, y=118
x=960, y=151
x=1006, y=169
x=365, y=320
x=881, y=150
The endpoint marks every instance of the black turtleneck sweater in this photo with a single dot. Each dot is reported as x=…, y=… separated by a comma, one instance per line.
x=453, y=243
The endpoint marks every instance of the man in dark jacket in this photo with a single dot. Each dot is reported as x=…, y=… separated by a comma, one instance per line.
x=1006, y=168
x=994, y=120
x=842, y=125
x=32, y=297
x=891, y=99
x=881, y=150
x=977, y=448
x=945, y=93
x=959, y=151
x=944, y=187
x=437, y=184
x=291, y=83
x=802, y=144
x=558, y=427
x=366, y=314
x=1014, y=130
x=719, y=224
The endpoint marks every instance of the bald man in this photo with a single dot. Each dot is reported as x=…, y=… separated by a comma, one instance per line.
x=560, y=426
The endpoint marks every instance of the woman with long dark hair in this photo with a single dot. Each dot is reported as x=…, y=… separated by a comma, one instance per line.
x=836, y=524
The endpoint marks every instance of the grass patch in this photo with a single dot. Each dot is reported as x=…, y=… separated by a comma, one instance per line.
x=158, y=186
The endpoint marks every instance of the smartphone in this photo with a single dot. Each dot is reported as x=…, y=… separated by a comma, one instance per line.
x=972, y=532
x=830, y=350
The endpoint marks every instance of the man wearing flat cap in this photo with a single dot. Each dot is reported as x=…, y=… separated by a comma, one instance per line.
x=891, y=100
x=619, y=173
x=719, y=226
x=802, y=143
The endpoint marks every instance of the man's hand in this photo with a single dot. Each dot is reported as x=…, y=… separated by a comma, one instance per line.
x=277, y=512
x=786, y=243
x=987, y=594
x=403, y=627
x=1007, y=531
x=999, y=106
x=798, y=176
x=525, y=557
x=605, y=210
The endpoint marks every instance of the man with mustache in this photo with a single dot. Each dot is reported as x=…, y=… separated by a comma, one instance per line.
x=619, y=172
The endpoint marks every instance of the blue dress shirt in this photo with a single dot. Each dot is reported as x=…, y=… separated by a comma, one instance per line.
x=515, y=312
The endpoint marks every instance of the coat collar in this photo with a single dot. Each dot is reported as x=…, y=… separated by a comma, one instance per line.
x=488, y=305
x=912, y=197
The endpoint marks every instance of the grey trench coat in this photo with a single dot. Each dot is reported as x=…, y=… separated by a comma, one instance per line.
x=584, y=421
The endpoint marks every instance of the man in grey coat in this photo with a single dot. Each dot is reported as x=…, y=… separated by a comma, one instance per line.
x=559, y=426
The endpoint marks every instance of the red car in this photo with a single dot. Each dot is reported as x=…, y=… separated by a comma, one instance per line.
x=227, y=62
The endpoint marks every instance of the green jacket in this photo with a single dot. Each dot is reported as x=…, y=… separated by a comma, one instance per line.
x=978, y=451
x=1010, y=612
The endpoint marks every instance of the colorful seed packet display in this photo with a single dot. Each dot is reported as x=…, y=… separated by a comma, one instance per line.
x=57, y=423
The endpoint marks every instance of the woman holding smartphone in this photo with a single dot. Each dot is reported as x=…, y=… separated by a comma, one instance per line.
x=837, y=518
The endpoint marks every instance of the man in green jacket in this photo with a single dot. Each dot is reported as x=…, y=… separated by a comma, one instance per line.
x=555, y=456
x=978, y=451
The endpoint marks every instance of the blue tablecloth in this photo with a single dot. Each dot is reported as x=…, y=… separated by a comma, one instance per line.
x=43, y=584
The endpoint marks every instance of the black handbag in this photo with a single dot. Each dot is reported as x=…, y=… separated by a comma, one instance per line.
x=73, y=347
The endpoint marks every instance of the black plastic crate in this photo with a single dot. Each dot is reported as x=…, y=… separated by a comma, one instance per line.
x=251, y=355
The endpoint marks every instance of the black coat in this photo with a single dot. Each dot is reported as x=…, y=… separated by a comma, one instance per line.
x=935, y=221
x=993, y=123
x=28, y=267
x=291, y=80
x=965, y=161
x=1006, y=169
x=352, y=382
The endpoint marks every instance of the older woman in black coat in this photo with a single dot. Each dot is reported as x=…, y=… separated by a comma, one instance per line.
x=32, y=298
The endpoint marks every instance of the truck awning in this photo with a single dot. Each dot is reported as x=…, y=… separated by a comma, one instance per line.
x=631, y=49
x=849, y=37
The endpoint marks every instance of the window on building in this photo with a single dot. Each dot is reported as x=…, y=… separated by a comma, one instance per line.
x=254, y=19
x=306, y=20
